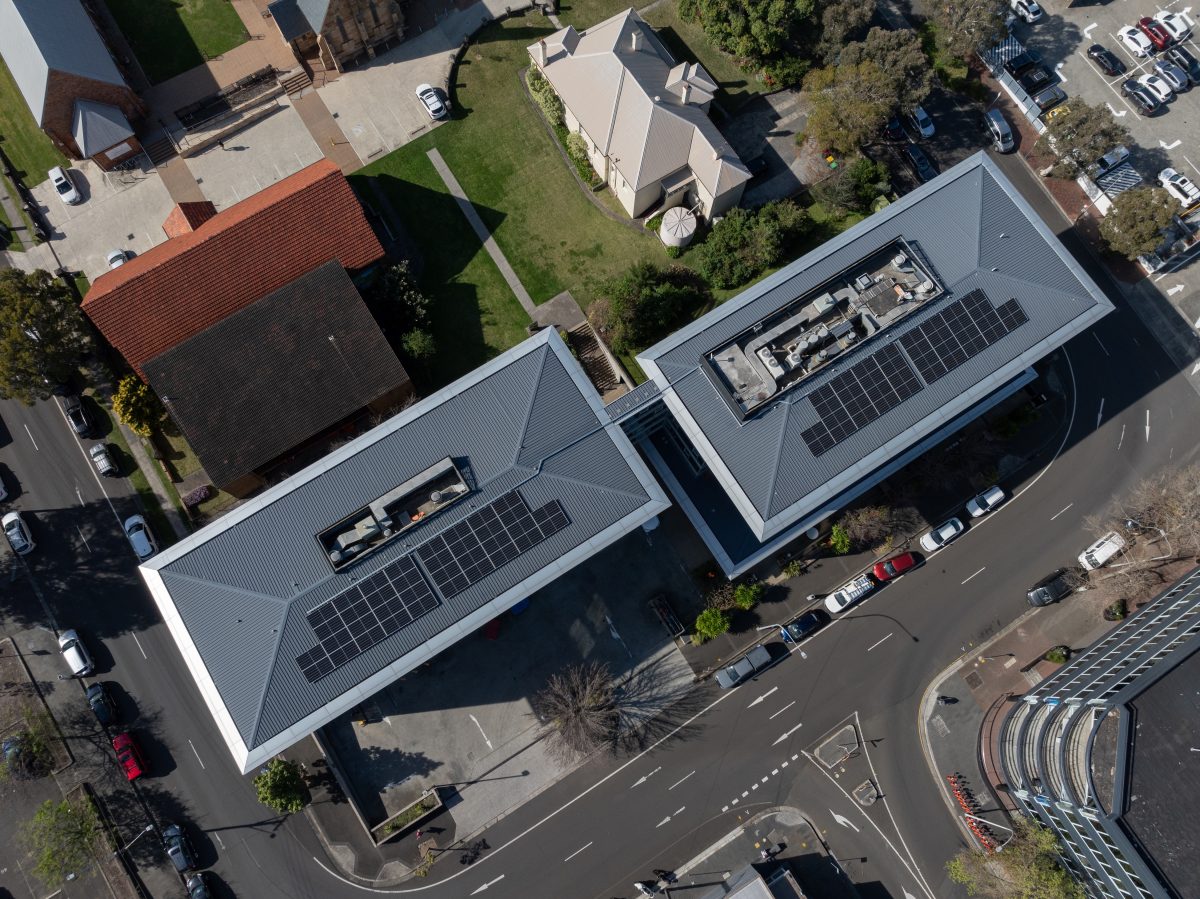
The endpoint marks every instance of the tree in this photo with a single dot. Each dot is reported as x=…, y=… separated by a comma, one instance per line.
x=136, y=405
x=849, y=104
x=964, y=26
x=62, y=836
x=645, y=303
x=1135, y=223
x=744, y=244
x=1028, y=867
x=580, y=704
x=751, y=31
x=841, y=22
x=280, y=786
x=901, y=60
x=419, y=345
x=1079, y=136
x=711, y=623
x=839, y=540
x=42, y=335
x=853, y=187
x=397, y=300
x=747, y=596
x=867, y=525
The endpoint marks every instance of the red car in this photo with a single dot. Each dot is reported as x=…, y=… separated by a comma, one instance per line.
x=894, y=567
x=1153, y=29
x=129, y=754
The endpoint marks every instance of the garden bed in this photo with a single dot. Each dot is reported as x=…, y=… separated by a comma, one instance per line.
x=403, y=821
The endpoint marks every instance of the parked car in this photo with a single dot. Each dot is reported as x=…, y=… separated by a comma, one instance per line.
x=1049, y=98
x=3, y=491
x=755, y=660
x=1102, y=551
x=116, y=258
x=892, y=568
x=1180, y=186
x=1053, y=587
x=76, y=654
x=129, y=754
x=1146, y=102
x=1186, y=61
x=921, y=122
x=919, y=162
x=432, y=101
x=1154, y=30
x=1107, y=60
x=179, y=848
x=1111, y=159
x=1021, y=63
x=806, y=625
x=1176, y=77
x=64, y=186
x=999, y=131
x=986, y=501
x=1174, y=24
x=77, y=415
x=945, y=533
x=1157, y=86
x=1135, y=41
x=848, y=594
x=102, y=460
x=1026, y=9
x=894, y=130
x=102, y=705
x=140, y=537
x=1035, y=79
x=17, y=532
x=197, y=886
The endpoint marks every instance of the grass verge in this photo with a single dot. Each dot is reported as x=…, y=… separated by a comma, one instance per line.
x=171, y=37
x=27, y=147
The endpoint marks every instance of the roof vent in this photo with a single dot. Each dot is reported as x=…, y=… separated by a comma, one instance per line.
x=635, y=41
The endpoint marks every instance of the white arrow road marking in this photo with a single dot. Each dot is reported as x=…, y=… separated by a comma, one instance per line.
x=788, y=734
x=1171, y=291
x=1060, y=511
x=793, y=702
x=1116, y=112
x=1196, y=367
x=681, y=780
x=845, y=822
x=488, y=884
x=481, y=733
x=761, y=698
x=1087, y=31
x=1169, y=146
x=576, y=852
x=1147, y=425
x=646, y=777
x=907, y=894
x=667, y=819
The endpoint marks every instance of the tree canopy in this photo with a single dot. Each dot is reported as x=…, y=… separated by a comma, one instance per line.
x=842, y=21
x=744, y=244
x=137, y=406
x=964, y=26
x=581, y=706
x=900, y=59
x=850, y=104
x=1134, y=224
x=62, y=837
x=1028, y=867
x=42, y=335
x=1079, y=136
x=281, y=787
x=646, y=303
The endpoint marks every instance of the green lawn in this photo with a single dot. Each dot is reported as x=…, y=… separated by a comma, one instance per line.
x=31, y=152
x=172, y=36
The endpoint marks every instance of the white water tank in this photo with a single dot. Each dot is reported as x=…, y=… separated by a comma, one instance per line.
x=678, y=227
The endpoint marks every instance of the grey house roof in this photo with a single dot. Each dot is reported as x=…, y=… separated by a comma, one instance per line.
x=293, y=21
x=976, y=232
x=235, y=595
x=98, y=126
x=40, y=36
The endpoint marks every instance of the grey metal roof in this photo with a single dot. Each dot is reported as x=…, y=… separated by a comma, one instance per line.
x=235, y=594
x=98, y=126
x=975, y=231
x=291, y=21
x=315, y=11
x=41, y=36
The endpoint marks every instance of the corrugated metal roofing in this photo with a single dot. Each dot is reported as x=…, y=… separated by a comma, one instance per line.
x=528, y=420
x=98, y=126
x=976, y=232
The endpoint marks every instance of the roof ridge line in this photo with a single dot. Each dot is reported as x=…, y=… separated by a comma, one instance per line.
x=590, y=484
x=266, y=682
x=783, y=428
x=285, y=600
x=533, y=395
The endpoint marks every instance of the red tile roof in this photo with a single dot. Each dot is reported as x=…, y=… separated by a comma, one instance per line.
x=187, y=217
x=179, y=288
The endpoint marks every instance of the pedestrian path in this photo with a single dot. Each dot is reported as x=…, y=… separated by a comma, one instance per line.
x=489, y=242
x=326, y=132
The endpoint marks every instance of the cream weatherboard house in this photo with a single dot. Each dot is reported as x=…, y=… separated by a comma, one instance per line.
x=643, y=116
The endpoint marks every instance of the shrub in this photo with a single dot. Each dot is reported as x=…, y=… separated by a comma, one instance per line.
x=747, y=596
x=1058, y=655
x=711, y=623
x=839, y=540
x=545, y=97
x=792, y=569
x=1116, y=611
x=674, y=252
x=743, y=244
x=135, y=405
x=193, y=498
x=653, y=223
x=645, y=303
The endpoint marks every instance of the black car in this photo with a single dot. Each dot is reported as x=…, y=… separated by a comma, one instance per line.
x=919, y=162
x=1021, y=63
x=1146, y=102
x=102, y=704
x=179, y=848
x=197, y=886
x=1035, y=79
x=1186, y=61
x=806, y=625
x=1105, y=59
x=894, y=129
x=1053, y=587
x=77, y=415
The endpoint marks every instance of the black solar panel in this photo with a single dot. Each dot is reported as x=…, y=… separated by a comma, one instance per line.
x=364, y=615
x=858, y=396
x=485, y=540
x=960, y=331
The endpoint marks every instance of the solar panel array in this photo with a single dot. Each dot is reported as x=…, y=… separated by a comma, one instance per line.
x=483, y=541
x=364, y=615
x=963, y=329
x=858, y=396
x=877, y=384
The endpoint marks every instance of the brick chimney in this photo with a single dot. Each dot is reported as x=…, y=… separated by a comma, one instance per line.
x=541, y=54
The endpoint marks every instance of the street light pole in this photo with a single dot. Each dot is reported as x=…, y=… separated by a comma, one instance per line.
x=116, y=852
x=1131, y=523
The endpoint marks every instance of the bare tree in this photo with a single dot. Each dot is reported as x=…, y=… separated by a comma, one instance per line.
x=580, y=705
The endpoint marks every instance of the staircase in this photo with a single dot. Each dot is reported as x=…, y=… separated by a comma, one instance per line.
x=159, y=150
x=586, y=346
x=295, y=81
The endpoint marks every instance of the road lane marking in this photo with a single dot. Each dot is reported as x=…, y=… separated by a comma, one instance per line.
x=1171, y=291
x=79, y=496
x=667, y=820
x=197, y=754
x=1088, y=30
x=485, y=886
x=761, y=698
x=1192, y=164
x=1100, y=414
x=31, y=440
x=788, y=734
x=877, y=642
x=677, y=783
x=576, y=852
x=220, y=842
x=481, y=733
x=1147, y=425
x=645, y=777
x=1122, y=440
x=980, y=571
x=139, y=645
x=1060, y=511
x=84, y=539
x=1102, y=346
x=844, y=821
x=784, y=709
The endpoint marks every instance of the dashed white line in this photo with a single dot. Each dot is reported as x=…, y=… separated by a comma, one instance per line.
x=83, y=538
x=1102, y=346
x=31, y=440
x=1100, y=413
x=877, y=642
x=139, y=645
x=979, y=572
x=674, y=785
x=1060, y=511
x=220, y=842
x=1122, y=440
x=197, y=754
x=576, y=852
x=784, y=709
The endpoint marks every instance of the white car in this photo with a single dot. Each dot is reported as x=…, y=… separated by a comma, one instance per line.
x=75, y=653
x=140, y=537
x=1135, y=42
x=921, y=122
x=986, y=501
x=1179, y=186
x=116, y=258
x=945, y=533
x=1157, y=86
x=1026, y=9
x=18, y=534
x=64, y=186
x=1177, y=26
x=432, y=101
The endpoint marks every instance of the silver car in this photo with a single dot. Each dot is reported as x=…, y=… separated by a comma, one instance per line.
x=140, y=537
x=76, y=654
x=1172, y=74
x=945, y=533
x=102, y=460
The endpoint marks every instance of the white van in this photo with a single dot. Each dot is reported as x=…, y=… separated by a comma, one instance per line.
x=1098, y=554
